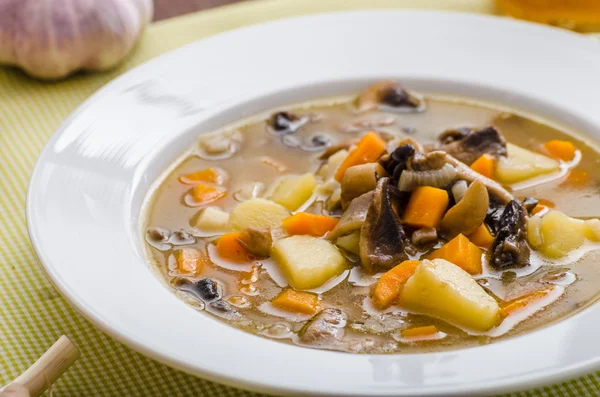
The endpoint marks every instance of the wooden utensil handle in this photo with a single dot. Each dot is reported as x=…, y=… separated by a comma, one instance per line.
x=48, y=368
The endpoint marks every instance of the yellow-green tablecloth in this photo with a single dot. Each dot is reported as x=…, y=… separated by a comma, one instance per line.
x=32, y=314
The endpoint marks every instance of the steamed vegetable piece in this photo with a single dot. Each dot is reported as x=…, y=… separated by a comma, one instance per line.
x=209, y=175
x=359, y=180
x=523, y=301
x=350, y=242
x=416, y=332
x=258, y=214
x=257, y=242
x=293, y=191
x=522, y=164
x=561, y=234
x=213, y=219
x=230, y=248
x=308, y=262
x=353, y=218
x=485, y=165
x=189, y=261
x=297, y=301
x=426, y=207
x=563, y=150
x=461, y=252
x=390, y=284
x=443, y=290
x=310, y=224
x=468, y=213
x=204, y=193
x=482, y=237
x=367, y=150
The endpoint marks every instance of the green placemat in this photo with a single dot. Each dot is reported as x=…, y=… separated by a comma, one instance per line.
x=32, y=314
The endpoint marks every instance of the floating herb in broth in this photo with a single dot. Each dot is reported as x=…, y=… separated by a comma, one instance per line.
x=326, y=225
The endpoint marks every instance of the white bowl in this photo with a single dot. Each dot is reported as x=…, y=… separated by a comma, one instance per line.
x=89, y=184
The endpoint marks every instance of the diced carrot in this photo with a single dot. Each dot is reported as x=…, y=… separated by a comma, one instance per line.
x=426, y=207
x=311, y=224
x=522, y=301
x=484, y=165
x=563, y=150
x=367, y=150
x=461, y=252
x=209, y=175
x=390, y=284
x=229, y=247
x=190, y=260
x=419, y=331
x=203, y=193
x=297, y=301
x=482, y=237
x=542, y=205
x=271, y=162
x=577, y=178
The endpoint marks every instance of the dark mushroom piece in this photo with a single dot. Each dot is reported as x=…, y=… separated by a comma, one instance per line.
x=283, y=123
x=382, y=238
x=390, y=95
x=257, y=242
x=529, y=203
x=397, y=161
x=510, y=247
x=424, y=237
x=467, y=145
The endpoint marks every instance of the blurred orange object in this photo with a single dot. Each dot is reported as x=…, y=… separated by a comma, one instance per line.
x=581, y=15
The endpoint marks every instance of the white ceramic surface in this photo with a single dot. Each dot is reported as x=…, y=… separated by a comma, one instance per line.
x=90, y=181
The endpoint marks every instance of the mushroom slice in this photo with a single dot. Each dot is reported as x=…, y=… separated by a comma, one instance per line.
x=353, y=218
x=359, y=180
x=424, y=236
x=468, y=213
x=464, y=172
x=397, y=160
x=382, y=238
x=467, y=145
x=257, y=242
x=389, y=94
x=510, y=247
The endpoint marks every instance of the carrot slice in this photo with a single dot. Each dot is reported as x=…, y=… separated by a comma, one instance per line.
x=484, y=165
x=209, y=175
x=563, y=150
x=390, y=284
x=310, y=224
x=461, y=252
x=522, y=301
x=482, y=237
x=229, y=247
x=203, y=193
x=426, y=207
x=367, y=150
x=189, y=260
x=297, y=301
x=419, y=331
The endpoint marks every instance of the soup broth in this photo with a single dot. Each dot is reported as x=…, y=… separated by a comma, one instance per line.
x=301, y=274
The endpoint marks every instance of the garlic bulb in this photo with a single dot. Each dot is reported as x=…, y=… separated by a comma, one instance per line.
x=52, y=38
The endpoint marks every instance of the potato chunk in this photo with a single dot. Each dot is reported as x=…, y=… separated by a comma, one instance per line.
x=561, y=234
x=522, y=164
x=308, y=262
x=213, y=219
x=443, y=290
x=293, y=191
x=258, y=214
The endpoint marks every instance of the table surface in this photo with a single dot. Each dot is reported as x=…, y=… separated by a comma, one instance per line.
x=164, y=9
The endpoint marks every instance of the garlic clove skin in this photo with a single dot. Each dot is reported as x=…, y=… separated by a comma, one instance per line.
x=51, y=39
